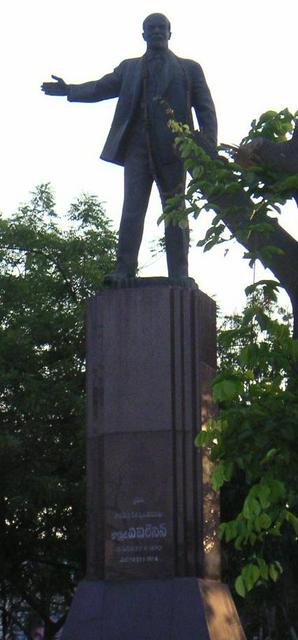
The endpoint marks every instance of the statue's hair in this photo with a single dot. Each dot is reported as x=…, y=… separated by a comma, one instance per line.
x=160, y=15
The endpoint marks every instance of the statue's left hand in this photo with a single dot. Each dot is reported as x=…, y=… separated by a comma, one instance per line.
x=58, y=88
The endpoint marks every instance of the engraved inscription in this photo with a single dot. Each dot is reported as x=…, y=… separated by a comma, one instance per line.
x=149, y=531
x=140, y=541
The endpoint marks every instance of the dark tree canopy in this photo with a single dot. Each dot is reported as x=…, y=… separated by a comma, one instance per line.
x=49, y=265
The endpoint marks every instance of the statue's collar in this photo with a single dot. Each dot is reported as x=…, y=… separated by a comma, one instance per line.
x=157, y=54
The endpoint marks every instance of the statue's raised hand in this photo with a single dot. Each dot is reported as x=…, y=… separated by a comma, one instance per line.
x=58, y=88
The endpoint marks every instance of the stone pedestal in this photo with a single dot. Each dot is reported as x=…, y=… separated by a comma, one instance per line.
x=151, y=355
x=169, y=609
x=152, y=515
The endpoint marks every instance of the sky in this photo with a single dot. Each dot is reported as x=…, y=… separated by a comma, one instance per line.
x=248, y=53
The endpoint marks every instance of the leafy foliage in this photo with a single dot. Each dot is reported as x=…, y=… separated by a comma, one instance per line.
x=253, y=444
x=255, y=435
x=48, y=267
x=272, y=125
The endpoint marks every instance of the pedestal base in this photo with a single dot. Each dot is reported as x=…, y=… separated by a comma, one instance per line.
x=171, y=609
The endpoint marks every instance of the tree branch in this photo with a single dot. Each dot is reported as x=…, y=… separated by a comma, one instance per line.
x=281, y=156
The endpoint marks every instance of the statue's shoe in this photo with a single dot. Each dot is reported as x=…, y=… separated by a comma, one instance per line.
x=117, y=278
x=183, y=281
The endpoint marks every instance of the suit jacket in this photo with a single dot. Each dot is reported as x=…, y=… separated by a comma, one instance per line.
x=183, y=86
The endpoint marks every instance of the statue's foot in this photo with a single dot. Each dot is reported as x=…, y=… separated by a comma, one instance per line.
x=183, y=281
x=117, y=278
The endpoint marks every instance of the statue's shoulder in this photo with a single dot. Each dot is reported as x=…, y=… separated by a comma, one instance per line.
x=130, y=62
x=187, y=62
x=189, y=65
x=128, y=67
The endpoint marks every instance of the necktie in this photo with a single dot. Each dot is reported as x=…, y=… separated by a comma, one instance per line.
x=155, y=71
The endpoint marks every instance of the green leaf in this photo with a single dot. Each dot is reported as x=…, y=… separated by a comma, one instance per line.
x=270, y=455
x=264, y=568
x=230, y=530
x=273, y=572
x=226, y=390
x=278, y=490
x=198, y=172
x=268, y=284
x=267, y=116
x=293, y=520
x=240, y=586
x=250, y=574
x=251, y=507
x=263, y=521
x=271, y=249
x=218, y=476
x=252, y=539
x=263, y=495
x=290, y=183
x=203, y=438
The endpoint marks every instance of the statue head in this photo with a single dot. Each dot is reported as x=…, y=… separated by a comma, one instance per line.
x=156, y=31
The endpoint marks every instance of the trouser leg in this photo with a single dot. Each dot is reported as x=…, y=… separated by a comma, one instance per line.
x=137, y=188
x=171, y=182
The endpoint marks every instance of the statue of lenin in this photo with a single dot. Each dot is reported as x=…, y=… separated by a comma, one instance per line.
x=141, y=140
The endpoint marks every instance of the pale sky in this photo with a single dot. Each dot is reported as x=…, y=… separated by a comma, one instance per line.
x=248, y=52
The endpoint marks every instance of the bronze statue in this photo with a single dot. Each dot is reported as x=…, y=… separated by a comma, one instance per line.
x=141, y=140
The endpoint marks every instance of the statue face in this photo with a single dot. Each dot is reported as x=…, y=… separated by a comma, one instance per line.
x=156, y=32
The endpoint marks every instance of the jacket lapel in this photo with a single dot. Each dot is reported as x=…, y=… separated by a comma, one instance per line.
x=136, y=81
x=171, y=68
